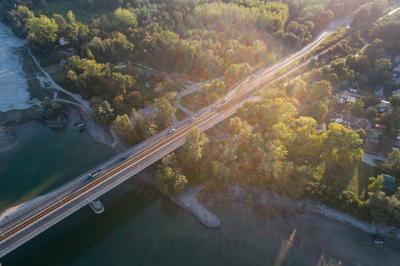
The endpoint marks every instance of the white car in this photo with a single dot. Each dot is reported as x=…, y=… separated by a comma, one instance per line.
x=95, y=174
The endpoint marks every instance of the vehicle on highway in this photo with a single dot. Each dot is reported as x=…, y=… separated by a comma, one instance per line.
x=172, y=130
x=377, y=239
x=193, y=118
x=95, y=174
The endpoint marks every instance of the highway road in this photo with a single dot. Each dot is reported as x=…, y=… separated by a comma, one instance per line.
x=28, y=222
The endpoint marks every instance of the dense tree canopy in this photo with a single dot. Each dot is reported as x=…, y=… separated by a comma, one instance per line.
x=42, y=30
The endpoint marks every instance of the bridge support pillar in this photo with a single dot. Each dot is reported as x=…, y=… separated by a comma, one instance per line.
x=97, y=206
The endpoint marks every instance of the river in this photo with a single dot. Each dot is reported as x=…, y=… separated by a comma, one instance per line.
x=139, y=225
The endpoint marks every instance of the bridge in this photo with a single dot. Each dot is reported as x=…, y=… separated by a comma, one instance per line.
x=25, y=223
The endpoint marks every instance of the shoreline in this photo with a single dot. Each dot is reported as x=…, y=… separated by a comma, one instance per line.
x=265, y=199
x=188, y=201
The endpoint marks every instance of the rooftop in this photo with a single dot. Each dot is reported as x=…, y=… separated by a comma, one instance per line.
x=389, y=183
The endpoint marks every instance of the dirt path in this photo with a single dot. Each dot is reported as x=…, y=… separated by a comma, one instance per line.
x=47, y=79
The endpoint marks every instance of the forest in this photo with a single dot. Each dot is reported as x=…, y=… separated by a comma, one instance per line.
x=199, y=39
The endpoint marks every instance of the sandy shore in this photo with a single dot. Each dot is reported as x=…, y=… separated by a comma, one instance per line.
x=187, y=200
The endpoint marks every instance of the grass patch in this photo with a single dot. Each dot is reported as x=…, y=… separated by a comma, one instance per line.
x=47, y=57
x=364, y=173
x=359, y=182
x=60, y=76
x=57, y=73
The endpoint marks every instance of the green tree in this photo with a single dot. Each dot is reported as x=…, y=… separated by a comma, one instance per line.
x=317, y=100
x=340, y=67
x=375, y=50
x=368, y=12
x=389, y=32
x=392, y=163
x=341, y=153
x=378, y=206
x=357, y=108
x=165, y=112
x=42, y=31
x=125, y=130
x=372, y=113
x=192, y=151
x=382, y=71
x=115, y=49
x=305, y=135
x=236, y=72
x=19, y=17
x=375, y=184
x=395, y=100
x=88, y=77
x=170, y=181
x=103, y=112
x=126, y=17
x=268, y=112
x=51, y=108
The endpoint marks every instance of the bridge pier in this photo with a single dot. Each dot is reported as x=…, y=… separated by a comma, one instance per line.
x=96, y=206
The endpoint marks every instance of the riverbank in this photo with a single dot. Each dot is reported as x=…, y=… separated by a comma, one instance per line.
x=266, y=199
x=193, y=199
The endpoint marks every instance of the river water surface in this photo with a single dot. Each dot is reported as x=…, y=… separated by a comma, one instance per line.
x=13, y=86
x=141, y=227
